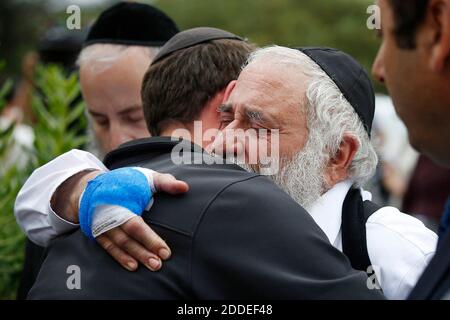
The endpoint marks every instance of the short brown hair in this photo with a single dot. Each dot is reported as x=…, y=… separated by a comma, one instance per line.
x=408, y=16
x=180, y=85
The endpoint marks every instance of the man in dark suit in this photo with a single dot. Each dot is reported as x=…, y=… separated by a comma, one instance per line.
x=414, y=63
x=234, y=235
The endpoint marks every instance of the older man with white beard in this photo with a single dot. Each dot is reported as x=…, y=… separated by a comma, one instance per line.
x=326, y=155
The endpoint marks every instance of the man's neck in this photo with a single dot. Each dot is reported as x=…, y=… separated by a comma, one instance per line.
x=177, y=131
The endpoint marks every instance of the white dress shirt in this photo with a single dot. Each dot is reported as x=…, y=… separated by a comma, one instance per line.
x=32, y=207
x=399, y=245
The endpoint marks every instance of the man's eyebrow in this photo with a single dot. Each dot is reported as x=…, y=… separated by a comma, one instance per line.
x=96, y=114
x=226, y=108
x=125, y=111
x=130, y=109
x=253, y=114
x=258, y=115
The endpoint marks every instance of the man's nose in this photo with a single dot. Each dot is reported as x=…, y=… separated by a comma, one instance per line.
x=378, y=70
x=227, y=142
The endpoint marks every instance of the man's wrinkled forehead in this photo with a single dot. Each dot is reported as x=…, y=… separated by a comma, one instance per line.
x=100, y=58
x=266, y=98
x=274, y=83
x=254, y=90
x=262, y=77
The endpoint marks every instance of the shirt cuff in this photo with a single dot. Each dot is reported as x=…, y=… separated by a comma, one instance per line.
x=59, y=224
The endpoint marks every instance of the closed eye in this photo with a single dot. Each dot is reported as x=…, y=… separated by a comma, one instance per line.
x=101, y=121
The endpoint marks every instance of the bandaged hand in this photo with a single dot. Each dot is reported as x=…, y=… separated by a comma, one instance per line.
x=110, y=209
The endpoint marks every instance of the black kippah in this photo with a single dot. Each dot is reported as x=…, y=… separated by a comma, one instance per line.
x=131, y=23
x=351, y=79
x=192, y=37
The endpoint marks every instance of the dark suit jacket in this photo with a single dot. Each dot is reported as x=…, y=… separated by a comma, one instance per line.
x=233, y=235
x=435, y=281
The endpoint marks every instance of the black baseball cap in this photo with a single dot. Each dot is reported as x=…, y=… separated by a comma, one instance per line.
x=132, y=23
x=351, y=79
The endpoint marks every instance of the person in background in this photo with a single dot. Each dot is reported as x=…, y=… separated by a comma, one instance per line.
x=114, y=56
x=396, y=156
x=413, y=62
x=118, y=49
x=427, y=192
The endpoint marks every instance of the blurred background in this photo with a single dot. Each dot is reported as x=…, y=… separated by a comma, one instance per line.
x=42, y=112
x=335, y=23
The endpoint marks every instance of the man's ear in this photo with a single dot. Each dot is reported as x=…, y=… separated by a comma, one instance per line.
x=439, y=12
x=338, y=165
x=230, y=87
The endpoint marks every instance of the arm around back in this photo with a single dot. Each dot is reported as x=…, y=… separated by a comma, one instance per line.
x=254, y=241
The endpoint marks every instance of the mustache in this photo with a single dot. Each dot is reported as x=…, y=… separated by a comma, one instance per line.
x=302, y=176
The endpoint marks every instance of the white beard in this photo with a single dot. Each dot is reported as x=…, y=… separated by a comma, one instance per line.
x=302, y=177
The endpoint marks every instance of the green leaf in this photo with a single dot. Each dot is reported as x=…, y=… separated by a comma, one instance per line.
x=76, y=113
x=56, y=131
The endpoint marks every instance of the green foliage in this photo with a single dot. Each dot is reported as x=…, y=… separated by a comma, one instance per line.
x=11, y=240
x=56, y=131
x=5, y=89
x=59, y=116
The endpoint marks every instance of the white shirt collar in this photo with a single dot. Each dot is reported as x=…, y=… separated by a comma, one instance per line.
x=327, y=210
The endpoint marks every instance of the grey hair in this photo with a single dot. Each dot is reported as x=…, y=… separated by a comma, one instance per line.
x=330, y=117
x=104, y=54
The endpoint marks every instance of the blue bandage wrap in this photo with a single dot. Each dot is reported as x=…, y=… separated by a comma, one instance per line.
x=125, y=187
